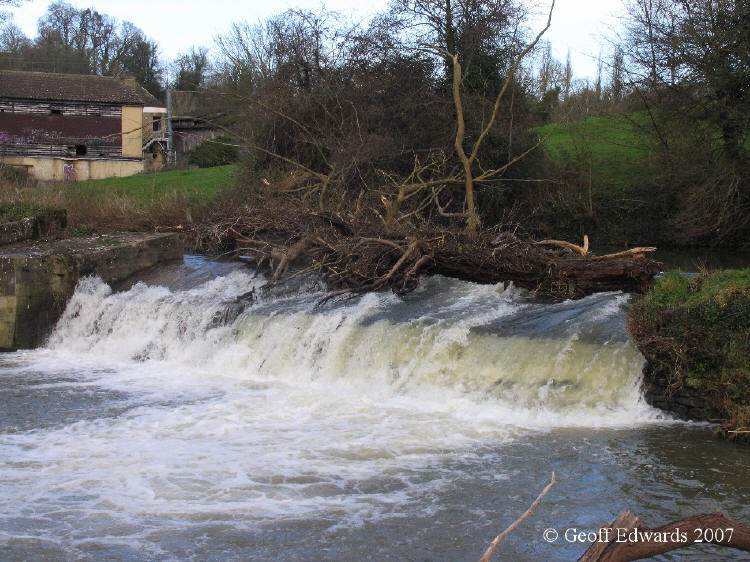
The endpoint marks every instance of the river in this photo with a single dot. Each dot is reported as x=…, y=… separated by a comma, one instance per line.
x=165, y=421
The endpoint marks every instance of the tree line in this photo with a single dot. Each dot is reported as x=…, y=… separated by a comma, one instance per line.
x=372, y=117
x=70, y=40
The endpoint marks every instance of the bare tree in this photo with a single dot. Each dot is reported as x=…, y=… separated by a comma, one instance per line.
x=13, y=40
x=468, y=160
x=191, y=69
x=482, y=34
x=617, y=75
x=699, y=51
x=4, y=16
x=689, y=61
x=85, y=41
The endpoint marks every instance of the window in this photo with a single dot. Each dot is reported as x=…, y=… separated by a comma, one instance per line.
x=81, y=150
x=55, y=111
x=157, y=122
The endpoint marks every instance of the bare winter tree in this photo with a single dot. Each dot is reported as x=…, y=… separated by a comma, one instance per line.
x=468, y=159
x=699, y=51
x=191, y=69
x=83, y=41
x=4, y=16
x=483, y=34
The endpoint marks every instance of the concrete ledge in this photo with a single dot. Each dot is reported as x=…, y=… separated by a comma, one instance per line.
x=38, y=279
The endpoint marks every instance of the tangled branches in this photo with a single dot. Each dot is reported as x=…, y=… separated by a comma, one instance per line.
x=280, y=237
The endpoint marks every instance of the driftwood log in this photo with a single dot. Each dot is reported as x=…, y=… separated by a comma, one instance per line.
x=356, y=258
x=623, y=539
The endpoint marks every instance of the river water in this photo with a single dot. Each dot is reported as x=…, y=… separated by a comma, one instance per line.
x=168, y=422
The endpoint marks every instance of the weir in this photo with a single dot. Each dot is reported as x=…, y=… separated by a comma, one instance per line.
x=169, y=420
x=38, y=278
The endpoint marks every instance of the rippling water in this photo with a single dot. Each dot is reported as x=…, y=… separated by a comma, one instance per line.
x=168, y=421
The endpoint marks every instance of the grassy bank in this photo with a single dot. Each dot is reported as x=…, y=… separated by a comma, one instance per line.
x=602, y=169
x=695, y=334
x=140, y=202
x=612, y=152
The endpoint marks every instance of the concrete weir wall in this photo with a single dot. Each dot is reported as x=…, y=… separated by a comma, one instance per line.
x=37, y=279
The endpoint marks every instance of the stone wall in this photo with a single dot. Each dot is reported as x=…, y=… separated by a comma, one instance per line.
x=38, y=279
x=17, y=231
x=74, y=169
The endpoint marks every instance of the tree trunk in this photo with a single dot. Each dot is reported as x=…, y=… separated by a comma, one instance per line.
x=623, y=540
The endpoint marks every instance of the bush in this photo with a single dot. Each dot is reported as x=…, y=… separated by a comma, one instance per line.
x=214, y=152
x=696, y=332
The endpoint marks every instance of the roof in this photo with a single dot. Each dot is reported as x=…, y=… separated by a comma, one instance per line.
x=68, y=87
x=148, y=98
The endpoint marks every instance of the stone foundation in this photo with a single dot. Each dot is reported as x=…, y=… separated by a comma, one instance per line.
x=18, y=231
x=38, y=279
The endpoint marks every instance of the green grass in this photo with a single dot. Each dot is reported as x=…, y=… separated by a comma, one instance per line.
x=711, y=289
x=17, y=210
x=696, y=333
x=197, y=186
x=613, y=149
x=142, y=202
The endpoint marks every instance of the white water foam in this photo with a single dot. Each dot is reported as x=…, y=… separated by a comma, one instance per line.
x=287, y=412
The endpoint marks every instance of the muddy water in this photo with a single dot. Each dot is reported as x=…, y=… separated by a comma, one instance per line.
x=166, y=422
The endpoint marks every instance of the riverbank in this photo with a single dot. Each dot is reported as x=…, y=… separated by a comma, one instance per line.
x=695, y=335
x=143, y=202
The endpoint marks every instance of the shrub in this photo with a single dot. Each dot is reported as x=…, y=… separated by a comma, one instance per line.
x=214, y=152
x=696, y=332
x=13, y=175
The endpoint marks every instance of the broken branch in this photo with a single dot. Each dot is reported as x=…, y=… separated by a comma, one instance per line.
x=493, y=545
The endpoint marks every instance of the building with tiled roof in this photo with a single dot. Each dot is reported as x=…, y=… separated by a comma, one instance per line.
x=73, y=127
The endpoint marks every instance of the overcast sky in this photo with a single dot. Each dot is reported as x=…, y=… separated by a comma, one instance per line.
x=578, y=25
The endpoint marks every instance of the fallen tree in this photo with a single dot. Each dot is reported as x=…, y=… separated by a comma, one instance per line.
x=378, y=225
x=282, y=238
x=623, y=539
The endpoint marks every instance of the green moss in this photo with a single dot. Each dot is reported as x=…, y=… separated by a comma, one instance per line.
x=696, y=333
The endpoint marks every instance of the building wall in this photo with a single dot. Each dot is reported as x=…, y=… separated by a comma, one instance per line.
x=78, y=169
x=132, y=131
x=43, y=128
x=186, y=140
x=154, y=117
x=155, y=136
